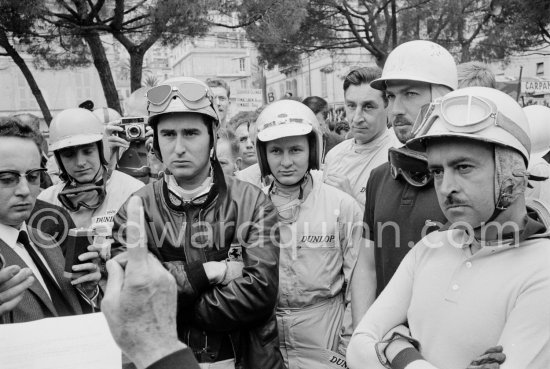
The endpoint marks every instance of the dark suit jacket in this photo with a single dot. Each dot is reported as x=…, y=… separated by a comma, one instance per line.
x=53, y=220
x=35, y=303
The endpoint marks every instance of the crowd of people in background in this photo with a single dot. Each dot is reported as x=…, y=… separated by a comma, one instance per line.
x=407, y=229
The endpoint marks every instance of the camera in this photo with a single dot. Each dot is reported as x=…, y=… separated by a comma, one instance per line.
x=134, y=128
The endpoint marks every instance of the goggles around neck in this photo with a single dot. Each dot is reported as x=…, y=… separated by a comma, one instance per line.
x=90, y=196
x=194, y=95
x=410, y=165
x=467, y=114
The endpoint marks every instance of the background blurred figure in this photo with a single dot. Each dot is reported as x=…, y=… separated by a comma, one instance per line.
x=228, y=151
x=475, y=74
x=252, y=174
x=247, y=152
x=221, y=92
x=538, y=117
x=110, y=142
x=319, y=106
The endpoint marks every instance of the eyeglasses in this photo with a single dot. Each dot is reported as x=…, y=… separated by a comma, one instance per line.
x=89, y=196
x=410, y=165
x=467, y=114
x=11, y=178
x=194, y=95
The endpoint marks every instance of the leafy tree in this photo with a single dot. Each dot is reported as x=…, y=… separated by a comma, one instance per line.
x=139, y=25
x=20, y=28
x=520, y=25
x=289, y=28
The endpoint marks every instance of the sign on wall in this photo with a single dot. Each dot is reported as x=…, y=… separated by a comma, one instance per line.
x=248, y=99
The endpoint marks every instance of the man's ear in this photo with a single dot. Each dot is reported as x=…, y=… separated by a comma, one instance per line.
x=238, y=163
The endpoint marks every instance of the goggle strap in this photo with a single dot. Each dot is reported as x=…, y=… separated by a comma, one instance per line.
x=511, y=127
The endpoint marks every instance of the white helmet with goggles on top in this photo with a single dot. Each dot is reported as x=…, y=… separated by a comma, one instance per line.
x=285, y=118
x=181, y=95
x=487, y=115
x=476, y=113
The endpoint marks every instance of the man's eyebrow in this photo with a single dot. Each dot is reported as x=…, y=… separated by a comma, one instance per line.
x=452, y=162
x=191, y=130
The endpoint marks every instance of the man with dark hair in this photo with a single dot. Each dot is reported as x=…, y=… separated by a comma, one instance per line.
x=474, y=294
x=319, y=106
x=400, y=197
x=33, y=121
x=348, y=164
x=216, y=235
x=49, y=293
x=220, y=90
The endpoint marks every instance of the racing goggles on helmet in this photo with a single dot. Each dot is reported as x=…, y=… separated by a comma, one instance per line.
x=89, y=196
x=467, y=114
x=194, y=95
x=409, y=164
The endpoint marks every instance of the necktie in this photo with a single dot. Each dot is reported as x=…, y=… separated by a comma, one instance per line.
x=59, y=302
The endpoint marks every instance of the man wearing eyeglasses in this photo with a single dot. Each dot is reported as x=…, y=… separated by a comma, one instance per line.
x=400, y=197
x=215, y=235
x=220, y=90
x=476, y=293
x=32, y=282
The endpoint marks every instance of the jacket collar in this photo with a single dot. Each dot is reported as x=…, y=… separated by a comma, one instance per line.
x=219, y=187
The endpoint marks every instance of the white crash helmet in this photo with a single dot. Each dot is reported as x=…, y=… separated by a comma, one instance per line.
x=419, y=60
x=106, y=115
x=476, y=113
x=74, y=127
x=286, y=118
x=538, y=117
x=136, y=104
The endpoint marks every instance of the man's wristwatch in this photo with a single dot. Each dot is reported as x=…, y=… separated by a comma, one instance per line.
x=381, y=347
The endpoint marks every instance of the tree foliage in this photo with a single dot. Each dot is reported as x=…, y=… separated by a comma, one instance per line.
x=468, y=28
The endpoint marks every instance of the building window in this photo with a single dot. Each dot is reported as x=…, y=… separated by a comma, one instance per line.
x=324, y=90
x=540, y=69
x=242, y=65
x=243, y=83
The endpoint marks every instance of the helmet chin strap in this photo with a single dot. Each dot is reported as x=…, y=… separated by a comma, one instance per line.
x=99, y=175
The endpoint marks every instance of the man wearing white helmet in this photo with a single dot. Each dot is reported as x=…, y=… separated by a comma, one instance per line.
x=476, y=293
x=214, y=234
x=538, y=117
x=348, y=164
x=320, y=235
x=90, y=191
x=400, y=197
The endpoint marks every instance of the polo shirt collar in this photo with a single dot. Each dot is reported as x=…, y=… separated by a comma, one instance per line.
x=531, y=228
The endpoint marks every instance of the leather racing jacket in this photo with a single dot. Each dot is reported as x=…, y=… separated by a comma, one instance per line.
x=236, y=222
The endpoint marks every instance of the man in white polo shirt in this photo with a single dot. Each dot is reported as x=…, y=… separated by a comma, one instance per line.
x=348, y=164
x=481, y=284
